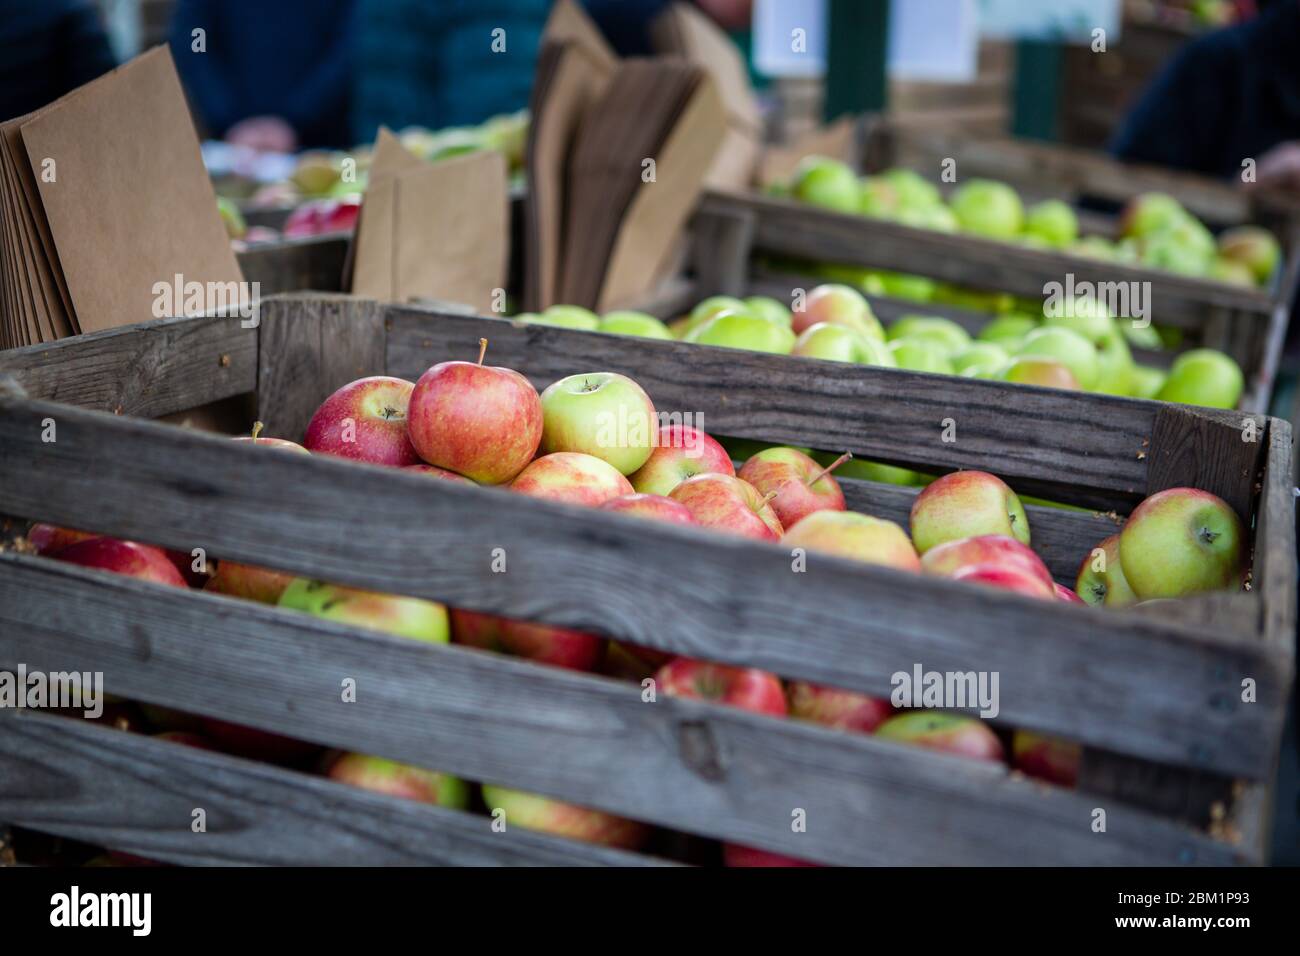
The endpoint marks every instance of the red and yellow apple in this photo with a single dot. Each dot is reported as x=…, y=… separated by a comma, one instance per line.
x=965, y=504
x=842, y=709
x=948, y=733
x=858, y=537
x=396, y=614
x=793, y=483
x=1101, y=578
x=571, y=477
x=381, y=775
x=1182, y=541
x=541, y=643
x=680, y=452
x=654, y=507
x=745, y=687
x=728, y=504
x=533, y=812
x=122, y=557
x=365, y=420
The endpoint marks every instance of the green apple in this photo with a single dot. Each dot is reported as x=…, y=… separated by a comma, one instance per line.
x=994, y=303
x=1231, y=272
x=878, y=198
x=399, y=780
x=1203, y=377
x=602, y=414
x=1101, y=577
x=920, y=355
x=944, y=333
x=564, y=317
x=828, y=183
x=1036, y=370
x=1052, y=221
x=865, y=470
x=1150, y=213
x=1069, y=348
x=838, y=343
x=232, y=218
x=1093, y=247
x=706, y=310
x=1146, y=382
x=410, y=617
x=901, y=285
x=765, y=307
x=1255, y=248
x=939, y=218
x=980, y=360
x=1186, y=248
x=743, y=330
x=634, y=323
x=1141, y=336
x=964, y=504
x=914, y=190
x=1008, y=330
x=988, y=208
x=839, y=305
x=1091, y=319
x=1182, y=541
x=859, y=278
x=529, y=811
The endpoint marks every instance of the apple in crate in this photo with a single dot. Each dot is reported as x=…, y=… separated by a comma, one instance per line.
x=1006, y=576
x=1182, y=541
x=381, y=775
x=571, y=477
x=728, y=504
x=855, y=536
x=541, y=643
x=1253, y=247
x=1036, y=370
x=533, y=812
x=249, y=582
x=624, y=322
x=1068, y=596
x=48, y=538
x=433, y=471
x=1101, y=578
x=1046, y=758
x=735, y=855
x=395, y=614
x=480, y=421
x=950, y=557
x=653, y=507
x=318, y=217
x=828, y=183
x=745, y=687
x=123, y=557
x=842, y=709
x=258, y=439
x=602, y=414
x=680, y=452
x=793, y=483
x=743, y=330
x=948, y=733
x=964, y=504
x=838, y=343
x=365, y=420
x=838, y=304
x=988, y=208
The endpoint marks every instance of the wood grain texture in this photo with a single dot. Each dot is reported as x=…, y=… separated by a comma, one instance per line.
x=1079, y=672
x=146, y=370
x=720, y=248
x=1189, y=450
x=294, y=265
x=1080, y=449
x=136, y=794
x=699, y=767
x=310, y=346
x=788, y=228
x=1274, y=572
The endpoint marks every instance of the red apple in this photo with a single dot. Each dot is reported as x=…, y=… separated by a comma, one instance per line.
x=433, y=471
x=950, y=557
x=1009, y=577
x=1046, y=758
x=318, y=217
x=255, y=438
x=745, y=687
x=381, y=775
x=629, y=661
x=365, y=420
x=728, y=504
x=735, y=855
x=541, y=643
x=838, y=305
x=249, y=581
x=965, y=504
x=654, y=507
x=123, y=557
x=48, y=538
x=477, y=420
x=680, y=452
x=573, y=477
x=858, y=537
x=949, y=733
x=842, y=709
x=1066, y=595
x=533, y=812
x=795, y=485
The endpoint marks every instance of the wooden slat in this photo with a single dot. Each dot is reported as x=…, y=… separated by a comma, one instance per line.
x=312, y=345
x=135, y=794
x=293, y=265
x=147, y=370
x=1275, y=544
x=1080, y=449
x=703, y=768
x=1078, y=672
x=789, y=228
x=1188, y=450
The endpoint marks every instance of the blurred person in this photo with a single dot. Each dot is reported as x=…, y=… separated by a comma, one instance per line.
x=1231, y=95
x=275, y=76
x=48, y=48
x=431, y=63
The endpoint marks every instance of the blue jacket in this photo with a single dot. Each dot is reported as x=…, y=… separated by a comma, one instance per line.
x=48, y=48
x=1225, y=97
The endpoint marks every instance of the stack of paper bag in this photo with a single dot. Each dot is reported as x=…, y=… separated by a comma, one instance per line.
x=618, y=152
x=109, y=216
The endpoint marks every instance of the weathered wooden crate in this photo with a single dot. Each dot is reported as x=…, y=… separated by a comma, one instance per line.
x=731, y=230
x=1180, y=764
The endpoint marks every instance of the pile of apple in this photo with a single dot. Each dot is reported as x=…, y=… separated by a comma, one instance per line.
x=467, y=422
x=1156, y=231
x=1083, y=349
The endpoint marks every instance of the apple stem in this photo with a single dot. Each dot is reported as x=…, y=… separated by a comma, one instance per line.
x=482, y=350
x=829, y=468
x=257, y=429
x=770, y=495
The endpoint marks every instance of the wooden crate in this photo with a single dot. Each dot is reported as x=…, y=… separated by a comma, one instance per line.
x=731, y=230
x=1180, y=765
